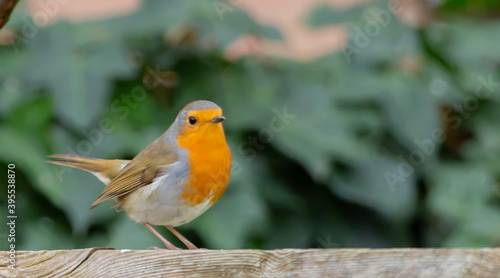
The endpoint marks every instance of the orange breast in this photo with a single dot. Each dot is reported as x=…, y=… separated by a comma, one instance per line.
x=210, y=163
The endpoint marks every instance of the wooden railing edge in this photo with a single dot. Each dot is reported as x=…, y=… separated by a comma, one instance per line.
x=102, y=262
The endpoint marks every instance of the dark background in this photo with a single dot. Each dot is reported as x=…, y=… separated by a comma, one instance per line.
x=393, y=139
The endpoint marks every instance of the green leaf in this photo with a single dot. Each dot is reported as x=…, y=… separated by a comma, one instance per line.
x=381, y=185
x=232, y=219
x=26, y=152
x=459, y=192
x=126, y=234
x=78, y=80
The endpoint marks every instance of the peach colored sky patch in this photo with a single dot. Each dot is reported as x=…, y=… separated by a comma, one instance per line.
x=79, y=10
x=300, y=42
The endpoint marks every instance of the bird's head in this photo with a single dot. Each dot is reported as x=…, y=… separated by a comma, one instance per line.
x=200, y=121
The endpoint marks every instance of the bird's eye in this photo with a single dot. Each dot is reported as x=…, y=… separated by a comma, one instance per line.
x=192, y=120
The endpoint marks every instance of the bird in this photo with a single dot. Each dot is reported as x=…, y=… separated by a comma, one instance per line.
x=172, y=181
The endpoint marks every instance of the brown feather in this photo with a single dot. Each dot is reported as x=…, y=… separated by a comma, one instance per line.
x=108, y=169
x=141, y=171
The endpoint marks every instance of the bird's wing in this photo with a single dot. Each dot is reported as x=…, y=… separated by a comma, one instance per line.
x=140, y=171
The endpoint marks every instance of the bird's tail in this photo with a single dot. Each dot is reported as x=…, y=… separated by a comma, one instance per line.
x=103, y=169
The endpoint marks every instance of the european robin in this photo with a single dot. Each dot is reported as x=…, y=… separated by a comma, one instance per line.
x=174, y=179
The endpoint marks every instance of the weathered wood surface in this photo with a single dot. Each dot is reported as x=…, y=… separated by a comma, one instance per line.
x=405, y=263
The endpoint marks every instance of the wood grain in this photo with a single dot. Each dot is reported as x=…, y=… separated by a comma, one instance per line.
x=358, y=263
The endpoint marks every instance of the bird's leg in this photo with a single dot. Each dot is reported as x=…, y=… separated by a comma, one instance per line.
x=182, y=238
x=167, y=243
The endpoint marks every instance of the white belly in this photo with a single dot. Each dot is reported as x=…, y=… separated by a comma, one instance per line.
x=158, y=205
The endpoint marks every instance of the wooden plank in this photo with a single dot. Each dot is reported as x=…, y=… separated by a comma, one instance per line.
x=359, y=263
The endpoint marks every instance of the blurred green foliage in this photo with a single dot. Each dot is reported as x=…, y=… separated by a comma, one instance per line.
x=356, y=164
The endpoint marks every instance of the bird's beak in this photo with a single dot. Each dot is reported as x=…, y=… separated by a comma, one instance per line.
x=217, y=119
